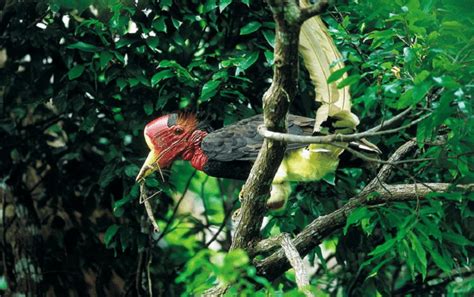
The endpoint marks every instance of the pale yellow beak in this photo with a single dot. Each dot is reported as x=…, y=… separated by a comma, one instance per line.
x=148, y=167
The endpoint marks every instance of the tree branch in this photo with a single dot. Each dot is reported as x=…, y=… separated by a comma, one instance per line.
x=276, y=100
x=296, y=262
x=313, y=10
x=313, y=234
x=275, y=107
x=384, y=172
x=332, y=138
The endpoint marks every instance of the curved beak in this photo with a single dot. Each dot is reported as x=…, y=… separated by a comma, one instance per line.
x=149, y=166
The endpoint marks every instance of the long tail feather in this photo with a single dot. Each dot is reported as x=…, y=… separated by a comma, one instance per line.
x=322, y=58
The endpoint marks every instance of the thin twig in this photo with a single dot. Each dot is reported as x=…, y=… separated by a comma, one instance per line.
x=146, y=201
x=328, y=139
x=390, y=121
x=148, y=270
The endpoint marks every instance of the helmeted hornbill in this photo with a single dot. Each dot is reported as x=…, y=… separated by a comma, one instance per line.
x=230, y=151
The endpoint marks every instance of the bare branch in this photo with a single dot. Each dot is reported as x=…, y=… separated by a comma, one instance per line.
x=328, y=139
x=296, y=262
x=268, y=244
x=144, y=199
x=386, y=169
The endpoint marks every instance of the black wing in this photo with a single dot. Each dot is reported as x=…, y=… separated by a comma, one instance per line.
x=241, y=141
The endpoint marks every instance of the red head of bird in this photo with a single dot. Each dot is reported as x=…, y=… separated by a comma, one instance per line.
x=170, y=137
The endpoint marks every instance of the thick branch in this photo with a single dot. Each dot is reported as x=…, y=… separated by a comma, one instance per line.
x=275, y=107
x=313, y=234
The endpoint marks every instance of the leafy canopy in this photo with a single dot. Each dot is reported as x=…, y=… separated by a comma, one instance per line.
x=82, y=78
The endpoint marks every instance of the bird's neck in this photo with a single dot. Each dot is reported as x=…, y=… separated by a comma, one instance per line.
x=193, y=152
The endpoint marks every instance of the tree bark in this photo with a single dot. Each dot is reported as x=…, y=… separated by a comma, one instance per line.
x=276, y=101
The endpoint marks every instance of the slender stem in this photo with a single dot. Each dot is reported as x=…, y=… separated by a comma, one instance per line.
x=329, y=139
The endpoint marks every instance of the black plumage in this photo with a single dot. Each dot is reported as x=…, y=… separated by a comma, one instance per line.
x=231, y=150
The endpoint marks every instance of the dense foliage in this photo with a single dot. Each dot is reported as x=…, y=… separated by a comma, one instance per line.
x=79, y=82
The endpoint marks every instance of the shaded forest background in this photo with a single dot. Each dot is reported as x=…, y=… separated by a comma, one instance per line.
x=79, y=82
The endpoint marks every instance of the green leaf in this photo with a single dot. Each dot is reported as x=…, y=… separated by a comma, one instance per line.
x=209, y=89
x=210, y=5
x=383, y=248
x=269, y=37
x=409, y=56
x=76, y=71
x=349, y=81
x=166, y=3
x=249, y=60
x=159, y=76
x=330, y=178
x=374, y=270
x=413, y=95
x=153, y=42
x=440, y=261
x=405, y=99
x=422, y=76
x=457, y=239
x=223, y=4
x=104, y=59
x=3, y=283
x=269, y=57
x=159, y=24
x=122, y=83
x=152, y=182
x=423, y=131
x=420, y=254
x=110, y=233
x=338, y=74
x=356, y=216
x=176, y=23
x=419, y=91
x=83, y=46
x=250, y=28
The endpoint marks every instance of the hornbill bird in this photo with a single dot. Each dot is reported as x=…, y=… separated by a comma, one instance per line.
x=230, y=151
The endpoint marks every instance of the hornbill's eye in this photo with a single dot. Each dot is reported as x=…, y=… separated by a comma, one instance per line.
x=178, y=131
